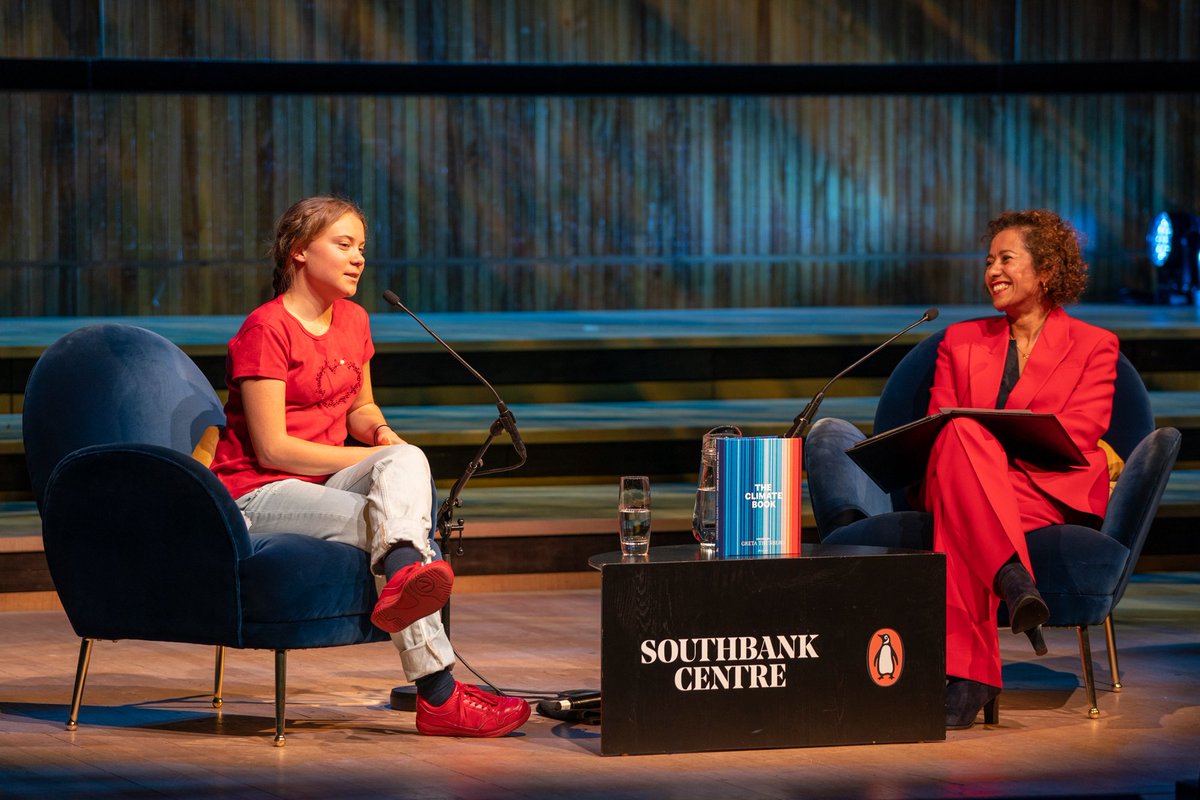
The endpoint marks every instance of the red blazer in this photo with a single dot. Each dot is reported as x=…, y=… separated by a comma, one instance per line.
x=1070, y=373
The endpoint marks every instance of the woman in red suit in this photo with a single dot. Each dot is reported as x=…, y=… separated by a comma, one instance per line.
x=1035, y=357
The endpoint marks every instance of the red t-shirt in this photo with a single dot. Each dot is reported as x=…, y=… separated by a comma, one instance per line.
x=323, y=375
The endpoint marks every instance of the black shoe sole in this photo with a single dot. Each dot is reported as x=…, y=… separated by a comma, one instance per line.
x=1030, y=612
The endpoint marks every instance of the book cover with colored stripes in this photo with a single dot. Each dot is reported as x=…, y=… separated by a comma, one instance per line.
x=758, y=496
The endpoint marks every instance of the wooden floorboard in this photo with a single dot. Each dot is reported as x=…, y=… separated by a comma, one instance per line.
x=147, y=728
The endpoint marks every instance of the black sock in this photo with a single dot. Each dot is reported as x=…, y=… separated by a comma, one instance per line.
x=399, y=558
x=436, y=688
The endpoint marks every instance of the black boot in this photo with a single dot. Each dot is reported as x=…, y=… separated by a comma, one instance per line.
x=1026, y=608
x=964, y=699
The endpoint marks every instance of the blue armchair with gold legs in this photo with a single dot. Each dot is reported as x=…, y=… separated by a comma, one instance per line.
x=142, y=540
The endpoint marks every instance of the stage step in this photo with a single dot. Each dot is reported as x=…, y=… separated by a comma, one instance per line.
x=586, y=442
x=601, y=394
x=513, y=532
x=621, y=356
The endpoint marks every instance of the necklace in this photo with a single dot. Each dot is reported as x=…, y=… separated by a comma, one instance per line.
x=1032, y=341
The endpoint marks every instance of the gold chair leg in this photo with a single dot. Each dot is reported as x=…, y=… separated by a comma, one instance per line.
x=1110, y=636
x=85, y=658
x=280, y=691
x=219, y=678
x=1089, y=680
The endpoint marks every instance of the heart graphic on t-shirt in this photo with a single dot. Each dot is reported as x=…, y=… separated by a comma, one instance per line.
x=325, y=377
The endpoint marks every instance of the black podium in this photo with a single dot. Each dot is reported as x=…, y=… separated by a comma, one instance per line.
x=839, y=645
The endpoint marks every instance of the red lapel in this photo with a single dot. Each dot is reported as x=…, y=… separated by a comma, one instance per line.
x=985, y=364
x=1049, y=350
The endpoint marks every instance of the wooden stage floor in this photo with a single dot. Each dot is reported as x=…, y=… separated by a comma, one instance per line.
x=147, y=729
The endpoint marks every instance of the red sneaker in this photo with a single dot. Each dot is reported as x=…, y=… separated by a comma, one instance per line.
x=416, y=591
x=472, y=712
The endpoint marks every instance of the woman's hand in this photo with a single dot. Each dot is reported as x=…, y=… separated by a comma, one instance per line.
x=384, y=435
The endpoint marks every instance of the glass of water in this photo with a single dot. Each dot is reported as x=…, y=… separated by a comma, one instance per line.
x=633, y=514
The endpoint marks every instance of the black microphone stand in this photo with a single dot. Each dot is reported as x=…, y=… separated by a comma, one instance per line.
x=505, y=421
x=445, y=527
x=801, y=424
x=404, y=698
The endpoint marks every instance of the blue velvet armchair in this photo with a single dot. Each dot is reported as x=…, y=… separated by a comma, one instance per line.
x=1081, y=572
x=142, y=540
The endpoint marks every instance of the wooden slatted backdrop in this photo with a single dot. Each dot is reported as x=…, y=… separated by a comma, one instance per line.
x=116, y=204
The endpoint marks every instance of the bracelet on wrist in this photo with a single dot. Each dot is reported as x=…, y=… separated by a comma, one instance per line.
x=375, y=433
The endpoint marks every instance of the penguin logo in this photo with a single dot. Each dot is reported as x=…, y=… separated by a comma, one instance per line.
x=885, y=657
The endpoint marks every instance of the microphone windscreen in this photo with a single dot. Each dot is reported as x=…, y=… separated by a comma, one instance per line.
x=931, y=314
x=391, y=297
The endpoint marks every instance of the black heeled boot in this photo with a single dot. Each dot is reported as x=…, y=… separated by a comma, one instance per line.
x=964, y=699
x=1026, y=608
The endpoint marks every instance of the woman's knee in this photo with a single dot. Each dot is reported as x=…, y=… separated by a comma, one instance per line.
x=964, y=450
x=964, y=426
x=968, y=434
x=403, y=456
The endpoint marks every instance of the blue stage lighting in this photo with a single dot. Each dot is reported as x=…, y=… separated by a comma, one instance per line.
x=1173, y=244
x=1161, y=233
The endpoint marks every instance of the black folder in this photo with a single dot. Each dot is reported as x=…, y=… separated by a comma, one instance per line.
x=896, y=458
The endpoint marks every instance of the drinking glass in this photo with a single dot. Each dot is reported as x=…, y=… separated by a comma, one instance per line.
x=633, y=515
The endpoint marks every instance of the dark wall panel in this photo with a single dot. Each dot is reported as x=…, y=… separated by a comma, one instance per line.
x=164, y=203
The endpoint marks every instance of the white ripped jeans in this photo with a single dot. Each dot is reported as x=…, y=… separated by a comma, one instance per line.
x=384, y=500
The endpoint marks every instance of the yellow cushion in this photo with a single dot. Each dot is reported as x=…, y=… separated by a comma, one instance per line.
x=1115, y=464
x=206, y=448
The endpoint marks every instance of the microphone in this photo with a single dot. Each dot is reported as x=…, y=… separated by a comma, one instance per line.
x=577, y=705
x=801, y=424
x=507, y=420
x=576, y=700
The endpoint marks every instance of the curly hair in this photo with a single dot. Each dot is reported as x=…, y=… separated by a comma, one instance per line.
x=298, y=227
x=1054, y=245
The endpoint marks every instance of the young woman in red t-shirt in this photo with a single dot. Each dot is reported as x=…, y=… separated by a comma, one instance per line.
x=299, y=379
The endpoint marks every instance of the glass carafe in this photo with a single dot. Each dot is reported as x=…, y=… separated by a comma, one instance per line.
x=704, y=512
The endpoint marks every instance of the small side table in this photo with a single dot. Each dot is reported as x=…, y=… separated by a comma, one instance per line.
x=838, y=645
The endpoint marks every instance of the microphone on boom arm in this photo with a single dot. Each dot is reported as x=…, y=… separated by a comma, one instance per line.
x=801, y=424
x=505, y=421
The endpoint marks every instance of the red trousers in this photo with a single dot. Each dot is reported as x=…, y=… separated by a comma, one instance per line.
x=982, y=507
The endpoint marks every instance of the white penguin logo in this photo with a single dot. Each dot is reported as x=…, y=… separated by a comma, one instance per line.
x=886, y=659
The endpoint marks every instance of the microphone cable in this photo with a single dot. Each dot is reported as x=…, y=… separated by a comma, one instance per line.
x=523, y=694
